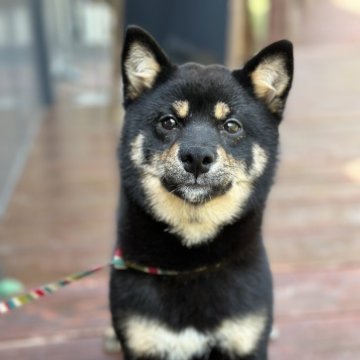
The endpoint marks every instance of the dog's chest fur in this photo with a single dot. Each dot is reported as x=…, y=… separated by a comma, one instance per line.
x=237, y=336
x=187, y=318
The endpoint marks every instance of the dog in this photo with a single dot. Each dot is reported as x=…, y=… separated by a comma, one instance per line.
x=197, y=156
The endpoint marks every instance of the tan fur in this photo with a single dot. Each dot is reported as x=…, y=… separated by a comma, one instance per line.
x=259, y=161
x=151, y=338
x=111, y=342
x=238, y=336
x=270, y=80
x=221, y=110
x=137, y=154
x=141, y=68
x=196, y=224
x=181, y=108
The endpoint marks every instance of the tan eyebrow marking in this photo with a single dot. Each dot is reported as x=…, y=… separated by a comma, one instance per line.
x=181, y=108
x=221, y=110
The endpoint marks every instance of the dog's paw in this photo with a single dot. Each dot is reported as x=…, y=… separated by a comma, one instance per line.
x=111, y=343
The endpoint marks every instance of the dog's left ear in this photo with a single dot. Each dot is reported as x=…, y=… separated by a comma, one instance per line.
x=269, y=74
x=143, y=63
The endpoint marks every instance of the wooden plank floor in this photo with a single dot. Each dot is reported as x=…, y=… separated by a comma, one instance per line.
x=61, y=220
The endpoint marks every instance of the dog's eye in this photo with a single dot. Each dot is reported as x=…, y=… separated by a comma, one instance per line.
x=168, y=122
x=233, y=126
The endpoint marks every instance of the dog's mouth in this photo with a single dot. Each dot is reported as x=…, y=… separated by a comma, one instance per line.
x=195, y=192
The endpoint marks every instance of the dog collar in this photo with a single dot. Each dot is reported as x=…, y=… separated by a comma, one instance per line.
x=120, y=263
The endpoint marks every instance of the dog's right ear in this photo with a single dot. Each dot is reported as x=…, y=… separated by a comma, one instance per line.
x=269, y=75
x=143, y=63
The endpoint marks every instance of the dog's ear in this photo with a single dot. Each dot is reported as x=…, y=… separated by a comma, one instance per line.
x=143, y=63
x=269, y=75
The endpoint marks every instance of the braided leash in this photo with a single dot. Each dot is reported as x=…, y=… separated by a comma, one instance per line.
x=118, y=262
x=35, y=294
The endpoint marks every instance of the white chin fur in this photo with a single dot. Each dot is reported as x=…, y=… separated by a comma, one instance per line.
x=195, y=195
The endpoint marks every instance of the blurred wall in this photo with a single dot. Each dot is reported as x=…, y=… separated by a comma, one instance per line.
x=50, y=50
x=19, y=91
x=78, y=36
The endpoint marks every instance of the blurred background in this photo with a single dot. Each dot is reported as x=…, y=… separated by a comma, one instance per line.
x=60, y=119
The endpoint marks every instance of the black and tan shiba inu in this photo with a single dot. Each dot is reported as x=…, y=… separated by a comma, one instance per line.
x=198, y=155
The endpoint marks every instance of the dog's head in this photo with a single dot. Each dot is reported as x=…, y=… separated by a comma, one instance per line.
x=202, y=139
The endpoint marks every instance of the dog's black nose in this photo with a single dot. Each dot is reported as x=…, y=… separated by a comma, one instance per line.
x=197, y=160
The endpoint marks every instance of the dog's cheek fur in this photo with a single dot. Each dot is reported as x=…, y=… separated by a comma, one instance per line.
x=137, y=151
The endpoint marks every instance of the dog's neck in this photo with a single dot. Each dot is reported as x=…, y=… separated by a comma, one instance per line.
x=147, y=241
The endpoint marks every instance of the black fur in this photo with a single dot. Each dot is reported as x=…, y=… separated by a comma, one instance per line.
x=242, y=285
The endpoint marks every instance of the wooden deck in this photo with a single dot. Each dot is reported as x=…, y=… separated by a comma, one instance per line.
x=61, y=220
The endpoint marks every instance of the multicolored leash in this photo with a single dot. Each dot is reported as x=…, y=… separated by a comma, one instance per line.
x=118, y=262
x=35, y=294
